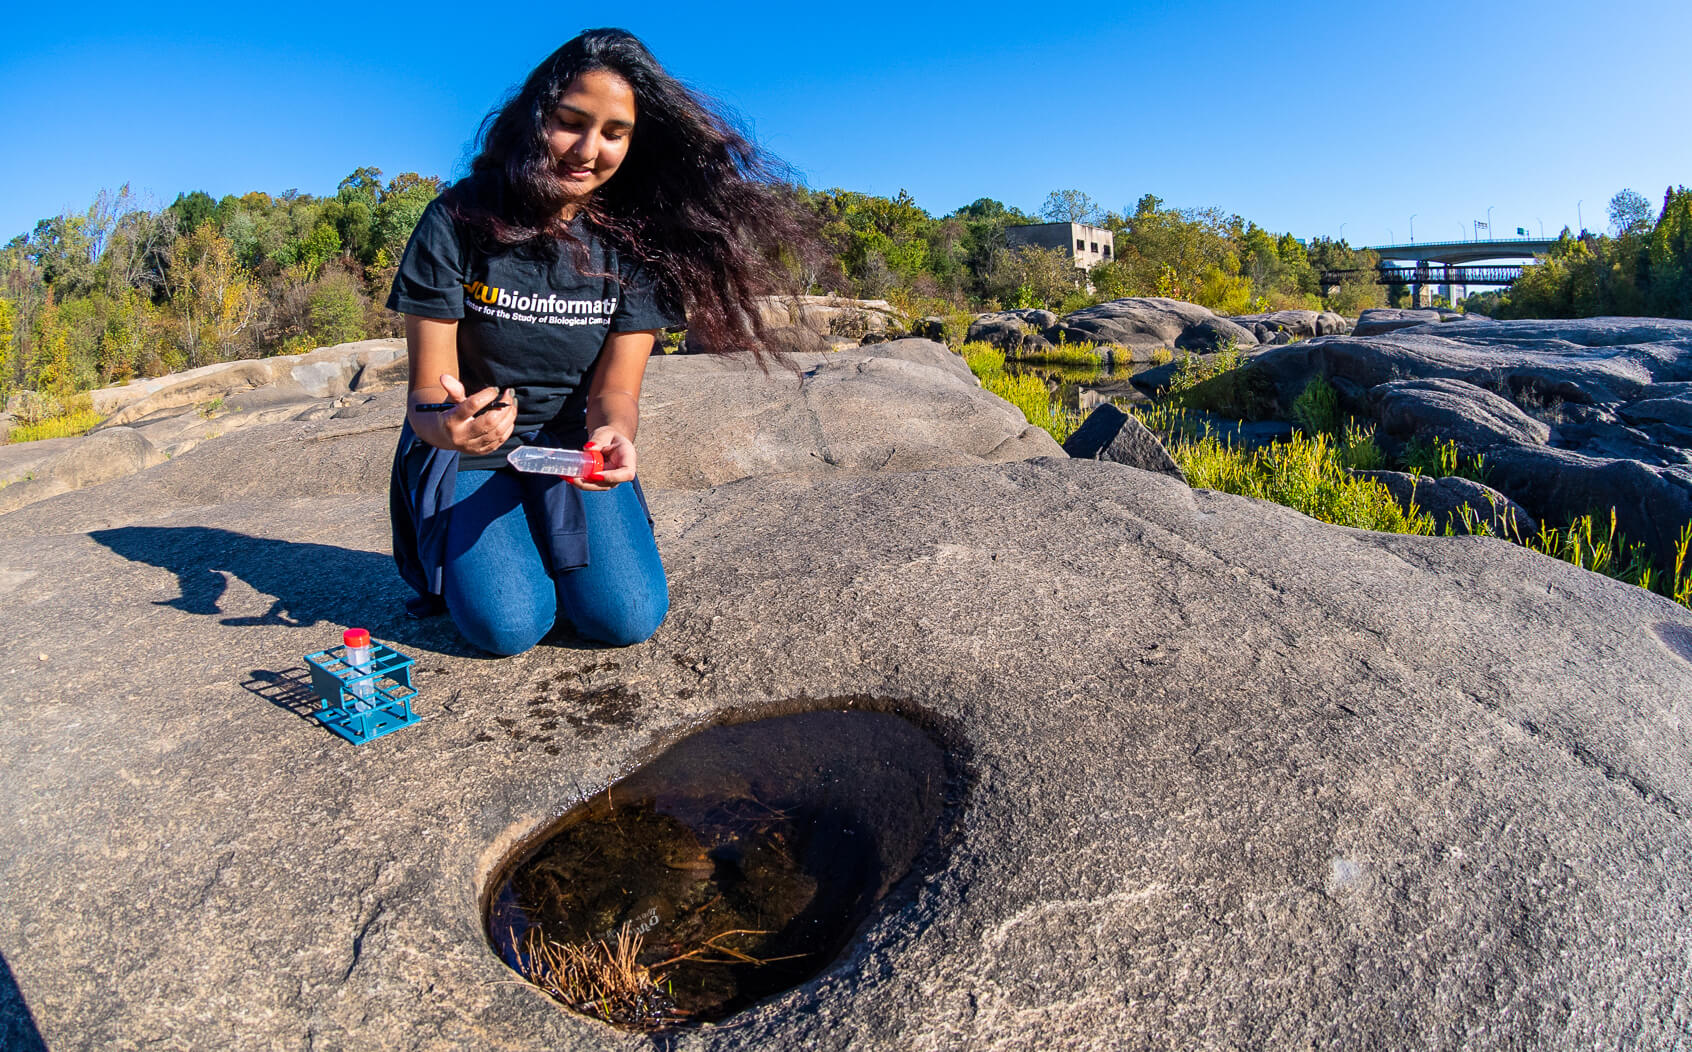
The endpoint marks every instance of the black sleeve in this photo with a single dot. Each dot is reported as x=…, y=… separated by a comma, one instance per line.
x=644, y=303
x=430, y=282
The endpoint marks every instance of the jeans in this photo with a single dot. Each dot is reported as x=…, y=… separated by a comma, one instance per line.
x=496, y=583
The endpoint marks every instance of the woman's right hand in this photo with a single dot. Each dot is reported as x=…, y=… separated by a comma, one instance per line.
x=461, y=428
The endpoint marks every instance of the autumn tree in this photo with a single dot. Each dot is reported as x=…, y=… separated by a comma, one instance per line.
x=212, y=299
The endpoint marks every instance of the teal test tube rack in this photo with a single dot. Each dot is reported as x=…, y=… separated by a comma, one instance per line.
x=361, y=719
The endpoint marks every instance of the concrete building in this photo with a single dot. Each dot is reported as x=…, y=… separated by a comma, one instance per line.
x=1086, y=245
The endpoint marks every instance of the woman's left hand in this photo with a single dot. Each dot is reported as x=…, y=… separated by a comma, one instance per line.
x=619, y=454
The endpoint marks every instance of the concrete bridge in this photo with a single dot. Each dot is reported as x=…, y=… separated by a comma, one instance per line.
x=1466, y=251
x=1451, y=263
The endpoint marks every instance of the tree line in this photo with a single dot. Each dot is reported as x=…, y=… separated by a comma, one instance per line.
x=122, y=291
x=1641, y=267
x=879, y=247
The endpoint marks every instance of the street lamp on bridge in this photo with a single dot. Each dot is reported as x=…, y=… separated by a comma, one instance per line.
x=1489, y=234
x=1413, y=216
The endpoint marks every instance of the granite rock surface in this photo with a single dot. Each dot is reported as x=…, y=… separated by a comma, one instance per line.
x=900, y=404
x=1230, y=777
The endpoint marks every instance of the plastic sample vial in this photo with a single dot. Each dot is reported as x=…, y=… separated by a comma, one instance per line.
x=544, y=460
x=357, y=659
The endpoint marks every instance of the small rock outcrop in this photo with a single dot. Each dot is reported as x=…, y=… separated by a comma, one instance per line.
x=328, y=372
x=1572, y=417
x=1378, y=320
x=1455, y=410
x=708, y=419
x=101, y=457
x=830, y=315
x=1108, y=433
x=1144, y=324
x=1285, y=326
x=1016, y=332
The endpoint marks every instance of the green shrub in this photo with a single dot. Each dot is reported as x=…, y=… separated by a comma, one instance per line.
x=1358, y=451
x=1162, y=356
x=1075, y=301
x=1316, y=409
x=1218, y=384
x=983, y=359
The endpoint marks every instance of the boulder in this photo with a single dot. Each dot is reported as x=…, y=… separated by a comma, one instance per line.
x=1226, y=776
x=323, y=373
x=1456, y=504
x=1108, y=433
x=705, y=420
x=1378, y=320
x=101, y=457
x=1454, y=410
x=1144, y=324
x=1672, y=408
x=830, y=315
x=1652, y=503
x=1293, y=325
x=1011, y=331
x=1539, y=365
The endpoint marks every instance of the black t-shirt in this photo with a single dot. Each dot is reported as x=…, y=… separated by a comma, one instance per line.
x=529, y=320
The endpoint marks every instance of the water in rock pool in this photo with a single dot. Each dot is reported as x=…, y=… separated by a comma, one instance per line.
x=744, y=857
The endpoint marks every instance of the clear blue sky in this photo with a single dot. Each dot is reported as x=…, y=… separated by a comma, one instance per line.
x=1299, y=116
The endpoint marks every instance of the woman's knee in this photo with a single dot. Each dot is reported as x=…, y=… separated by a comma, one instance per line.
x=510, y=633
x=627, y=619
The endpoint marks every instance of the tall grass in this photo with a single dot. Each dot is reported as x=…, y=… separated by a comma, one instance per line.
x=1027, y=393
x=1311, y=473
x=1307, y=473
x=1439, y=458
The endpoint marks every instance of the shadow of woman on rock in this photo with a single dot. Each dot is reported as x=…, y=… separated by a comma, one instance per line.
x=17, y=1023
x=310, y=583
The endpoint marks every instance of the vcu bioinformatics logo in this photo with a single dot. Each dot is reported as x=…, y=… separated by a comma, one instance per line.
x=550, y=309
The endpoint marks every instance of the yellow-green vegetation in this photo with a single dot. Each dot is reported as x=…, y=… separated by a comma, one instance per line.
x=1604, y=551
x=1027, y=393
x=42, y=416
x=78, y=422
x=1162, y=356
x=1191, y=371
x=1439, y=458
x=1311, y=473
x=1084, y=354
x=1307, y=473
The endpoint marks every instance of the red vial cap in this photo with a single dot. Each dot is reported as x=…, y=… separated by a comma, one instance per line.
x=596, y=461
x=355, y=637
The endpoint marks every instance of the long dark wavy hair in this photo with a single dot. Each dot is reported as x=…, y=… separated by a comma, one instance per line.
x=694, y=199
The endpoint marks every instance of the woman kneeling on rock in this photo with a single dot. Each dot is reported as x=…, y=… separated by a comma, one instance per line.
x=606, y=198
